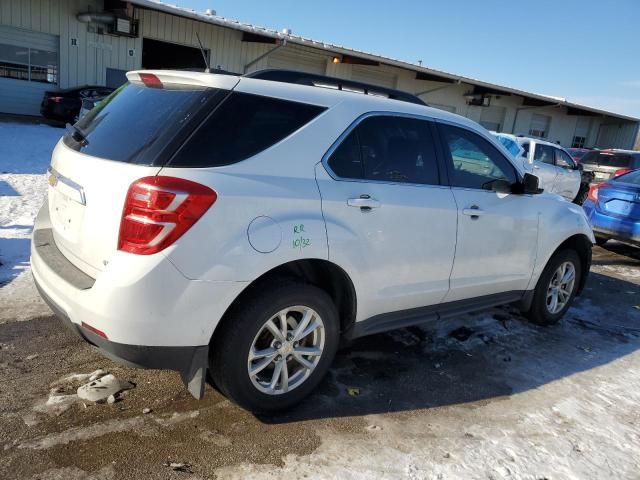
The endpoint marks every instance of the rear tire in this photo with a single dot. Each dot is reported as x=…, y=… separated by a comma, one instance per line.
x=248, y=342
x=556, y=288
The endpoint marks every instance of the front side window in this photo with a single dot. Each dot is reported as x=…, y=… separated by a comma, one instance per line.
x=544, y=154
x=388, y=149
x=564, y=160
x=475, y=162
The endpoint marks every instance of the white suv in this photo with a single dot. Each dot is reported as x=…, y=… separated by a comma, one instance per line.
x=551, y=163
x=244, y=226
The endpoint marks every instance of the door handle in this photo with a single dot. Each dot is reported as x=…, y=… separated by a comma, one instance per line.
x=473, y=211
x=364, y=202
x=537, y=167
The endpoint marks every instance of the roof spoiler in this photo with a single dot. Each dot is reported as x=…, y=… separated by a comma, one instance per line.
x=315, y=80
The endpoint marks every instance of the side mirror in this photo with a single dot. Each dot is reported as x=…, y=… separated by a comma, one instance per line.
x=530, y=184
x=579, y=167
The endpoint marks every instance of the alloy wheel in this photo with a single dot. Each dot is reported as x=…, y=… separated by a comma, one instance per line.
x=561, y=287
x=286, y=350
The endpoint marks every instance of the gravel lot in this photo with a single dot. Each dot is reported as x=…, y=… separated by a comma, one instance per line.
x=481, y=396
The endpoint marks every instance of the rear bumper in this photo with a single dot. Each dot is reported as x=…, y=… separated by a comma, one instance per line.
x=138, y=356
x=135, y=299
x=191, y=362
x=613, y=227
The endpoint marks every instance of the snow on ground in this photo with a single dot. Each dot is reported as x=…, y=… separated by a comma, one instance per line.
x=24, y=157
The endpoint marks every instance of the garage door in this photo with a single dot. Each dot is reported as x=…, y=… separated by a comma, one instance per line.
x=28, y=67
x=492, y=118
x=373, y=76
x=292, y=58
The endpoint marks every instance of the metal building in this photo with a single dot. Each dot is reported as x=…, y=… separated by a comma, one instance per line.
x=56, y=44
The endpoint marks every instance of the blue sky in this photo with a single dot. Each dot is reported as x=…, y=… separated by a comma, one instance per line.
x=586, y=51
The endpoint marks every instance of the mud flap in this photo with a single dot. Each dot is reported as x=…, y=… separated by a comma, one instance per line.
x=195, y=377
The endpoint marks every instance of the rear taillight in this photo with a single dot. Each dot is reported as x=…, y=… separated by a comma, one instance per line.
x=56, y=99
x=159, y=210
x=593, y=192
x=150, y=80
x=621, y=171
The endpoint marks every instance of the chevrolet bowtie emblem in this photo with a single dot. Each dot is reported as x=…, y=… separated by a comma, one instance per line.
x=53, y=180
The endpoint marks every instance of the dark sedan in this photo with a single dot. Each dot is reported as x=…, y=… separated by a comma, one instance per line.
x=64, y=105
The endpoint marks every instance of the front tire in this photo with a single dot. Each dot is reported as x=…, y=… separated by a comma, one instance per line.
x=556, y=288
x=275, y=347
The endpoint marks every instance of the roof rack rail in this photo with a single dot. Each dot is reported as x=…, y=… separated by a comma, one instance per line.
x=315, y=80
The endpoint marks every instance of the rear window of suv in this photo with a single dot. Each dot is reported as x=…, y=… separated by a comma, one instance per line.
x=136, y=123
x=607, y=159
x=242, y=126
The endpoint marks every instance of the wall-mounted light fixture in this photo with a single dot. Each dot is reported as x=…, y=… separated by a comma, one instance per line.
x=336, y=60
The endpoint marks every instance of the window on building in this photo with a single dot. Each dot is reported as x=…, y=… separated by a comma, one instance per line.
x=539, y=125
x=578, y=142
x=30, y=64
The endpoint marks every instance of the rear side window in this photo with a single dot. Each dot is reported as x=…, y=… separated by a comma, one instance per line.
x=388, y=149
x=135, y=123
x=242, y=126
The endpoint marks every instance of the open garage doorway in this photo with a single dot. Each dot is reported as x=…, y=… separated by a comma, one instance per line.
x=158, y=55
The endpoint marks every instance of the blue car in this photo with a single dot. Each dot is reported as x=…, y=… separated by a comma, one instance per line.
x=613, y=209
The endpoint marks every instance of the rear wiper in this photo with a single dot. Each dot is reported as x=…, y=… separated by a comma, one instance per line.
x=77, y=134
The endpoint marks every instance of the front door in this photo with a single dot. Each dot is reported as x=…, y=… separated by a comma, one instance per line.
x=497, y=232
x=389, y=221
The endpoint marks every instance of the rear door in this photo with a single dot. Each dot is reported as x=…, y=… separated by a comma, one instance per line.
x=125, y=138
x=390, y=222
x=497, y=232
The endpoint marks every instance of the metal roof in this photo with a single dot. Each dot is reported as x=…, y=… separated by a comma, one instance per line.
x=337, y=49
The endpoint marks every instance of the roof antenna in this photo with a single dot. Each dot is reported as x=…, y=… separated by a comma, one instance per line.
x=204, y=56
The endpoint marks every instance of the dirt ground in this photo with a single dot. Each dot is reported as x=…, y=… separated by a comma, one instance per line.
x=481, y=396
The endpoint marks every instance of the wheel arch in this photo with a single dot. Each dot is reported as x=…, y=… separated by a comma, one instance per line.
x=322, y=273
